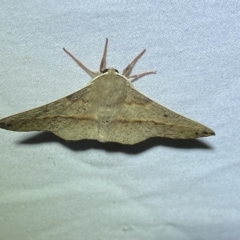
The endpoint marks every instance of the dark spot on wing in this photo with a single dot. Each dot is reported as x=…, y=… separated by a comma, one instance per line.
x=6, y=125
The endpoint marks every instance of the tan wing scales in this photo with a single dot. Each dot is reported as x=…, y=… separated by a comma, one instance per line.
x=108, y=110
x=68, y=117
x=141, y=118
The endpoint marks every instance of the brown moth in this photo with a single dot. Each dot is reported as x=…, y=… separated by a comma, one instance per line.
x=108, y=109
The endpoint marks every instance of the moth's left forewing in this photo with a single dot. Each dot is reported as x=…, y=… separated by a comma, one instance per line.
x=68, y=118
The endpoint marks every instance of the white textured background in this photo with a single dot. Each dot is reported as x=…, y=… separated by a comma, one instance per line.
x=158, y=189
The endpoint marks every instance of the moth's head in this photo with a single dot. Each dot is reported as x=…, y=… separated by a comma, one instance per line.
x=110, y=75
x=111, y=71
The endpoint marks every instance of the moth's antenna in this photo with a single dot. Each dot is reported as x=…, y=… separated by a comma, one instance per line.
x=91, y=73
x=136, y=76
x=103, y=61
x=129, y=67
x=131, y=64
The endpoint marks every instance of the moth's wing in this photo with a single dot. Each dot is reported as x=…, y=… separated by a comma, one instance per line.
x=141, y=118
x=68, y=117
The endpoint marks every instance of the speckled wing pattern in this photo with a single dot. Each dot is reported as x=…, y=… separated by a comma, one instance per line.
x=67, y=117
x=141, y=118
x=108, y=109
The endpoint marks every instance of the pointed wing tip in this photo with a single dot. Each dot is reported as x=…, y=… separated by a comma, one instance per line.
x=211, y=133
x=208, y=133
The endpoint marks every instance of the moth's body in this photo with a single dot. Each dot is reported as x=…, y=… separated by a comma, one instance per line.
x=108, y=109
x=105, y=104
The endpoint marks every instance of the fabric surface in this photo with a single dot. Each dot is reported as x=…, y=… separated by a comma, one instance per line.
x=158, y=189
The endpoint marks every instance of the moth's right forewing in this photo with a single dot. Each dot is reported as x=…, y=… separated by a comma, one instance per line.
x=141, y=118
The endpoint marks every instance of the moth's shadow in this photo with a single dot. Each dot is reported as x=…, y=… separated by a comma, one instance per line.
x=83, y=145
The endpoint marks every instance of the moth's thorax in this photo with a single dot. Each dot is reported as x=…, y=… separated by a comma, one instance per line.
x=107, y=96
x=109, y=91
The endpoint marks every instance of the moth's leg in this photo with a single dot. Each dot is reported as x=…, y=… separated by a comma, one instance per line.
x=91, y=73
x=136, y=76
x=131, y=64
x=103, y=60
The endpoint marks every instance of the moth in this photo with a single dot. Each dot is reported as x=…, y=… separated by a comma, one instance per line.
x=108, y=109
